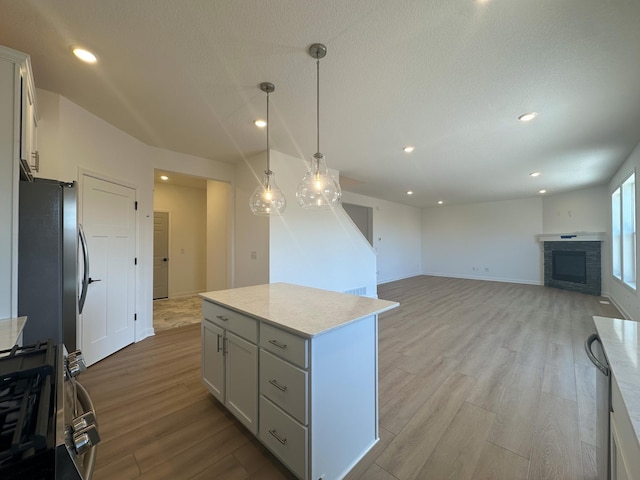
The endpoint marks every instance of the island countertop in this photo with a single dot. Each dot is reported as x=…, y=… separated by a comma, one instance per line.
x=10, y=330
x=302, y=310
x=621, y=342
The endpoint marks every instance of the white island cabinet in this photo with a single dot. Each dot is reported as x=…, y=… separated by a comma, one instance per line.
x=621, y=343
x=305, y=379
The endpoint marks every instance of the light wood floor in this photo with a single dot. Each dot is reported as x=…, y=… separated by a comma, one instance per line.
x=478, y=380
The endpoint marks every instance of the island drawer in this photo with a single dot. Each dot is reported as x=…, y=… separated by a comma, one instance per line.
x=285, y=385
x=285, y=345
x=285, y=437
x=241, y=325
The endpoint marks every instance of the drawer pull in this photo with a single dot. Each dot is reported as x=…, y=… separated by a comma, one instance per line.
x=276, y=343
x=275, y=383
x=222, y=317
x=274, y=433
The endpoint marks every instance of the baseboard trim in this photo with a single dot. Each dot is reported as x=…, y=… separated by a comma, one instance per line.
x=486, y=279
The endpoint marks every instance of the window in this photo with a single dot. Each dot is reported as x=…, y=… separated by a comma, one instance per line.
x=623, y=231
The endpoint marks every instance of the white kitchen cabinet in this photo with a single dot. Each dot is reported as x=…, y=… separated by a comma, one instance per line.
x=213, y=367
x=15, y=71
x=625, y=451
x=230, y=361
x=317, y=393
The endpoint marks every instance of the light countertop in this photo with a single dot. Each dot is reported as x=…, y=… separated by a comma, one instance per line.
x=621, y=342
x=303, y=310
x=10, y=330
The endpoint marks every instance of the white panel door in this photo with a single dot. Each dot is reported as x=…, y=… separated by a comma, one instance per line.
x=108, y=219
x=160, y=255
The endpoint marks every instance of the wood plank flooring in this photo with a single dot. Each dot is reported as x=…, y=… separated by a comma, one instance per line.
x=478, y=380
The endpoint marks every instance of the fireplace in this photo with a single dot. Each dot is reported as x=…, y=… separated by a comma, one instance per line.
x=573, y=265
x=569, y=266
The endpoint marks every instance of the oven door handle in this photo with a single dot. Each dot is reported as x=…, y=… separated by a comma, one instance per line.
x=87, y=406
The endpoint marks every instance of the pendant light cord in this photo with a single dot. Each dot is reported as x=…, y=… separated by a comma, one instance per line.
x=318, y=105
x=268, y=172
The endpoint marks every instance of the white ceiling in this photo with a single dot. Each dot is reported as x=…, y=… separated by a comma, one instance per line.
x=448, y=76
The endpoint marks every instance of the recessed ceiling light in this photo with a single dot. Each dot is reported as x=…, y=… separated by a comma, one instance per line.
x=164, y=177
x=527, y=117
x=408, y=149
x=410, y=192
x=440, y=202
x=542, y=191
x=534, y=174
x=260, y=123
x=85, y=55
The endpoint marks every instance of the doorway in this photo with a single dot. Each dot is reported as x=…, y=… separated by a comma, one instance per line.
x=192, y=231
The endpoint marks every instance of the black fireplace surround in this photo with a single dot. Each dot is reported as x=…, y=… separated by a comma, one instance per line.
x=573, y=266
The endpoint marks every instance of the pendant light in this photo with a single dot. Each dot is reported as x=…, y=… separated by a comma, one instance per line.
x=318, y=190
x=267, y=198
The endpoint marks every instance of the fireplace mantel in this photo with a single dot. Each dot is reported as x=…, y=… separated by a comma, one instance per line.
x=572, y=237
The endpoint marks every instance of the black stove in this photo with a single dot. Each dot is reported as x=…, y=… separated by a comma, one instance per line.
x=47, y=426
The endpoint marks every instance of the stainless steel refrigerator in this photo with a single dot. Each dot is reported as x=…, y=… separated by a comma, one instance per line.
x=48, y=261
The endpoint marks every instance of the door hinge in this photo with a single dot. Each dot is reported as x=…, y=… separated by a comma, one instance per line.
x=136, y=204
x=135, y=317
x=135, y=261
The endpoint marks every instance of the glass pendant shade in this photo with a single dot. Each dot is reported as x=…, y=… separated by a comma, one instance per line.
x=318, y=190
x=267, y=198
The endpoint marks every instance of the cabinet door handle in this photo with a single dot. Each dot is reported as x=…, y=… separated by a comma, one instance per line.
x=274, y=433
x=278, y=344
x=275, y=383
x=218, y=343
x=222, y=317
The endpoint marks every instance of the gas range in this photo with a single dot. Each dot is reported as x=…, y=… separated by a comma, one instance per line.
x=48, y=428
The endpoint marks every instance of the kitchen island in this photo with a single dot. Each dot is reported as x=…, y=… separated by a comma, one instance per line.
x=298, y=366
x=621, y=343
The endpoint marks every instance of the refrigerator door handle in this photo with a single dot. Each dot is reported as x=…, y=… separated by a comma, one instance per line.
x=587, y=347
x=85, y=274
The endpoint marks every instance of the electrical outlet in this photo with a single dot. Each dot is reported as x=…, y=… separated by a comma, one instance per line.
x=486, y=269
x=254, y=255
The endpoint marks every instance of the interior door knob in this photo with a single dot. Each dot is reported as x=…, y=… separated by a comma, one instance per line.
x=165, y=259
x=91, y=280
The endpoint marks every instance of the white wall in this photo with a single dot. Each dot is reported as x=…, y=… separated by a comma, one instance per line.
x=626, y=299
x=585, y=210
x=491, y=241
x=187, y=207
x=71, y=138
x=397, y=237
x=219, y=238
x=251, y=236
x=321, y=249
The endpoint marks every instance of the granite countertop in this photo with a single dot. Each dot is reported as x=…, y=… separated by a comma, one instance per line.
x=10, y=330
x=621, y=342
x=303, y=310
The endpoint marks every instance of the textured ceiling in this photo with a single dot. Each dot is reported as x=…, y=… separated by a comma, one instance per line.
x=448, y=76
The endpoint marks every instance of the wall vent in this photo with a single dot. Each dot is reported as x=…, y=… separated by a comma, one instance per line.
x=362, y=291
